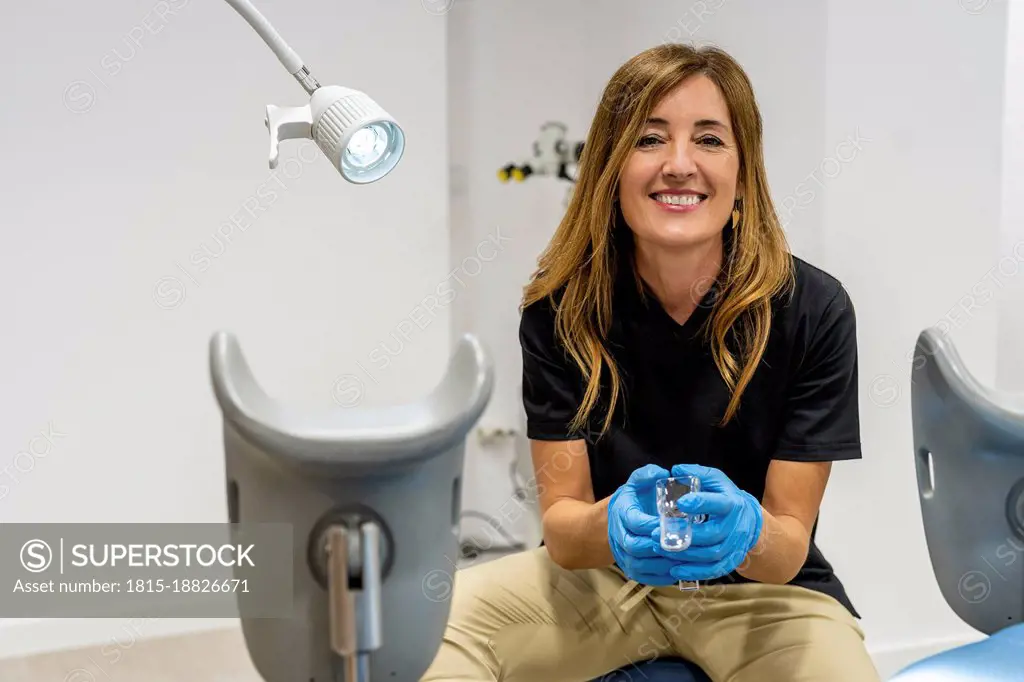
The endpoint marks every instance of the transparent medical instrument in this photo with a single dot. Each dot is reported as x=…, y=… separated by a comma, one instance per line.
x=676, y=526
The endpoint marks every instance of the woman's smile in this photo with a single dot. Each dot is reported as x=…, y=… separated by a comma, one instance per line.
x=679, y=202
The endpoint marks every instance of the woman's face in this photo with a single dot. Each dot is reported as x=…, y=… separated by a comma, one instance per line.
x=679, y=184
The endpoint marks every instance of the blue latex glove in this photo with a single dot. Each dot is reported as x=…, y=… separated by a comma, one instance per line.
x=729, y=531
x=632, y=519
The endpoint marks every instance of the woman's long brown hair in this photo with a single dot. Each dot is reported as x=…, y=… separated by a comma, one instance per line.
x=580, y=258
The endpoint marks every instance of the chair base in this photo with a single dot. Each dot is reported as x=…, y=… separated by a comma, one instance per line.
x=999, y=658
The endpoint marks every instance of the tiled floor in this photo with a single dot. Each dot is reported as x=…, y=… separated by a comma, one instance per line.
x=213, y=656
x=208, y=656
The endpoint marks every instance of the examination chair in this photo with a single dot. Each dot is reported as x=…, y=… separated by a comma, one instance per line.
x=969, y=455
x=373, y=499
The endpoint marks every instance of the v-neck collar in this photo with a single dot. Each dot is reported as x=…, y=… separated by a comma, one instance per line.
x=635, y=297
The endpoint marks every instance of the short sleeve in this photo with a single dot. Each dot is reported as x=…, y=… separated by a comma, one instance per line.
x=822, y=415
x=551, y=381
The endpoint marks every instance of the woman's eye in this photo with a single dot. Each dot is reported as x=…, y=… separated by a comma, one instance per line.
x=647, y=140
x=712, y=140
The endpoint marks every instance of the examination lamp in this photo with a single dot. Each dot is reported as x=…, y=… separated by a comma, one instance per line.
x=361, y=139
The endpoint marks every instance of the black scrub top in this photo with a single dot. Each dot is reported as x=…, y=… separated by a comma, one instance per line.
x=801, y=404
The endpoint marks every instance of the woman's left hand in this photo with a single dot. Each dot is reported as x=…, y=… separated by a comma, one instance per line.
x=731, y=529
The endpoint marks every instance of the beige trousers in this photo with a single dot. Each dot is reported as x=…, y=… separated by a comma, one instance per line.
x=522, y=618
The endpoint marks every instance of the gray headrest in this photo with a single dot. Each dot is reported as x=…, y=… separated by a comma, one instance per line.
x=969, y=456
x=368, y=439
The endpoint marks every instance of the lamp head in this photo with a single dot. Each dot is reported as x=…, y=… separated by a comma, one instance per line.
x=363, y=142
x=361, y=139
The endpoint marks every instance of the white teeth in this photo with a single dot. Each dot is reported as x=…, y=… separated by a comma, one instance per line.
x=679, y=199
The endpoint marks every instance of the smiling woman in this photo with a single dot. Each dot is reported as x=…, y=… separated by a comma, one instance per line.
x=668, y=331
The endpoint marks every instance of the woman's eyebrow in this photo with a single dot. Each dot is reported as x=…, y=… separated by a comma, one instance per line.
x=702, y=123
x=711, y=123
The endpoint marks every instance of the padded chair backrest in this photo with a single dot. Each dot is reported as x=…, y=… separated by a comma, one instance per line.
x=969, y=455
x=398, y=466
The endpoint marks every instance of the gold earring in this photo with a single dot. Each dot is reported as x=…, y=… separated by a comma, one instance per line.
x=736, y=215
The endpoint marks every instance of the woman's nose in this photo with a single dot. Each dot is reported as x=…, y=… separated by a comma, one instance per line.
x=679, y=160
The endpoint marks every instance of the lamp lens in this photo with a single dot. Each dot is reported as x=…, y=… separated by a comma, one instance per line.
x=372, y=151
x=367, y=145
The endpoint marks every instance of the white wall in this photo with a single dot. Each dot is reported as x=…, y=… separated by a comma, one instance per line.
x=123, y=159
x=884, y=127
x=911, y=226
x=1010, y=375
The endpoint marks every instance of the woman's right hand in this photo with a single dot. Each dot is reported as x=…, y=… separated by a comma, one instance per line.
x=632, y=520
